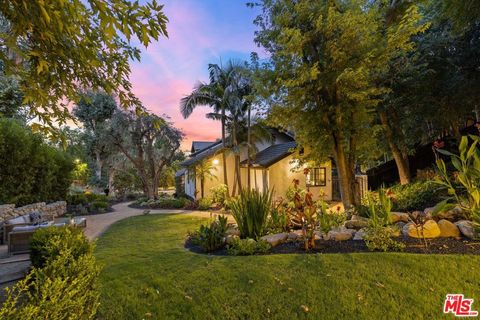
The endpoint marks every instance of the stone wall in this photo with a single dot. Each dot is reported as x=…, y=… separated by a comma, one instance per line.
x=54, y=209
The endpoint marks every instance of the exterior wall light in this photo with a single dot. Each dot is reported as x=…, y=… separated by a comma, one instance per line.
x=215, y=162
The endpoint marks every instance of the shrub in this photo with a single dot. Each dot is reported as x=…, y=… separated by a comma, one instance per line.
x=163, y=203
x=247, y=247
x=279, y=220
x=377, y=207
x=251, y=211
x=464, y=186
x=100, y=205
x=219, y=193
x=47, y=243
x=31, y=170
x=63, y=285
x=204, y=203
x=212, y=237
x=76, y=199
x=329, y=220
x=416, y=196
x=378, y=238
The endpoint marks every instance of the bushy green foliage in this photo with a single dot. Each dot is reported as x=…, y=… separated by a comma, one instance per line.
x=251, y=210
x=279, y=220
x=248, y=247
x=48, y=243
x=204, y=203
x=377, y=207
x=378, y=238
x=464, y=187
x=211, y=237
x=31, y=171
x=417, y=195
x=165, y=203
x=62, y=283
x=219, y=193
x=330, y=219
x=100, y=205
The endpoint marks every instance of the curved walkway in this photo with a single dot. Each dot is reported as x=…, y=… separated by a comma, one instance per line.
x=98, y=224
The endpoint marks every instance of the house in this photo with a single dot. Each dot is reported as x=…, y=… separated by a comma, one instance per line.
x=274, y=166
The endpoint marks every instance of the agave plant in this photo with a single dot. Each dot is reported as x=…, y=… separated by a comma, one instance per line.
x=251, y=210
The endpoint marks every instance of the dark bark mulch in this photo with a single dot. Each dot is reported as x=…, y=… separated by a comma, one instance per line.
x=434, y=246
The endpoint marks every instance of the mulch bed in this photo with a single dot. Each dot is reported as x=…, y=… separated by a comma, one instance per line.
x=435, y=246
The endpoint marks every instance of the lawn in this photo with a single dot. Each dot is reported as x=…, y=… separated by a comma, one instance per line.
x=148, y=274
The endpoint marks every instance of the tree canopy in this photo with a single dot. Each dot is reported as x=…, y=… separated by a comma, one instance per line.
x=58, y=47
x=322, y=79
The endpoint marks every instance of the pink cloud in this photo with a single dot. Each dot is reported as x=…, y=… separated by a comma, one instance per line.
x=170, y=67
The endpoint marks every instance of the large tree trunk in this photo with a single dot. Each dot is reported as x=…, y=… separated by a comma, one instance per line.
x=202, y=187
x=224, y=157
x=248, y=150
x=401, y=158
x=111, y=186
x=98, y=165
x=346, y=175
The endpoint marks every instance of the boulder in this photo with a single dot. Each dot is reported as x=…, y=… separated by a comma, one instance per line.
x=448, y=229
x=355, y=224
x=356, y=217
x=430, y=230
x=399, y=216
x=359, y=234
x=231, y=231
x=466, y=228
x=340, y=234
x=452, y=215
x=275, y=239
x=400, y=225
x=230, y=238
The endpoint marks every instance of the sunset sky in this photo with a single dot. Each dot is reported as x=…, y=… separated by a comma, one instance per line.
x=200, y=32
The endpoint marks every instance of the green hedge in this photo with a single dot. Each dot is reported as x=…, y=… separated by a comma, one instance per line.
x=31, y=170
x=63, y=282
x=416, y=196
x=47, y=244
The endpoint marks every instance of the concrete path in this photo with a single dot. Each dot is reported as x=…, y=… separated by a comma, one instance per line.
x=98, y=224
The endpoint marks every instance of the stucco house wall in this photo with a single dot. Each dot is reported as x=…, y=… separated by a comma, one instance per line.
x=282, y=174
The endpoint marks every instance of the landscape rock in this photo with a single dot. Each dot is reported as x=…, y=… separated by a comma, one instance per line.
x=400, y=225
x=430, y=230
x=230, y=238
x=356, y=217
x=340, y=234
x=399, y=216
x=317, y=235
x=355, y=224
x=232, y=232
x=466, y=228
x=275, y=239
x=448, y=229
x=452, y=215
x=359, y=234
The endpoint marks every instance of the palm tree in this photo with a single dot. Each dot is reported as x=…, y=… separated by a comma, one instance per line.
x=216, y=94
x=203, y=170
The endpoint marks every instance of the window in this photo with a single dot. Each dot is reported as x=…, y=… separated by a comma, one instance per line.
x=317, y=177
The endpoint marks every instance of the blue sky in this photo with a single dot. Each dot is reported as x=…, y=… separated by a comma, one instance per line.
x=200, y=32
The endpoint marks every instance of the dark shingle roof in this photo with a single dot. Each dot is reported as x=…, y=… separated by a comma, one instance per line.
x=180, y=172
x=270, y=155
x=202, y=154
x=200, y=145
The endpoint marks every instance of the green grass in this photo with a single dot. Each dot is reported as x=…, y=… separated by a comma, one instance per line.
x=149, y=275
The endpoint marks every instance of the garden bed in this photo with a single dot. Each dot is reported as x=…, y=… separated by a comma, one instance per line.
x=435, y=246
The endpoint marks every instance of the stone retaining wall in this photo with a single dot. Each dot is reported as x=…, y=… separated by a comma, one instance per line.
x=54, y=209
